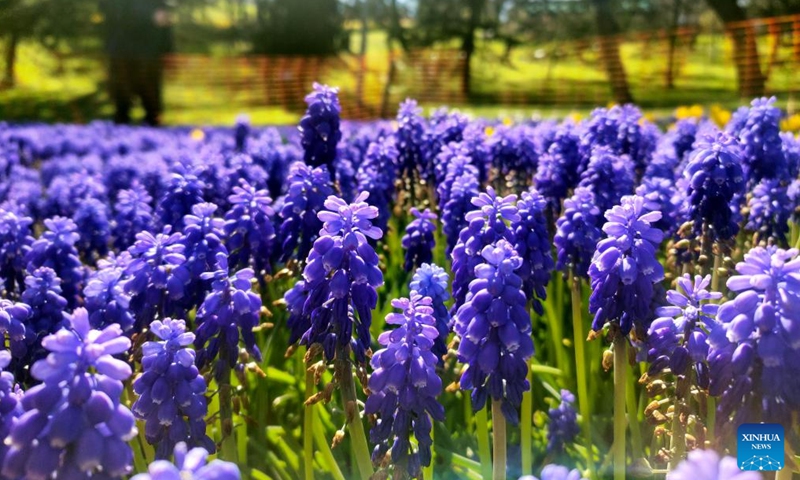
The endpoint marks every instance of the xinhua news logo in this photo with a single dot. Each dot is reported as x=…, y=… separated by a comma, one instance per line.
x=760, y=446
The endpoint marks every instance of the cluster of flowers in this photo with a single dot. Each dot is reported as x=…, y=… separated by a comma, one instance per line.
x=168, y=234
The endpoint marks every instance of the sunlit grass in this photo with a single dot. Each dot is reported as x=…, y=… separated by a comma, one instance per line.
x=547, y=80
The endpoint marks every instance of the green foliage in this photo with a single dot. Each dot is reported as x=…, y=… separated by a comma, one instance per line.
x=49, y=21
x=291, y=27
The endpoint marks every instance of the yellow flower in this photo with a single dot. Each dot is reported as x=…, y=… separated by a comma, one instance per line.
x=791, y=123
x=198, y=135
x=508, y=122
x=576, y=117
x=719, y=115
x=693, y=111
x=489, y=131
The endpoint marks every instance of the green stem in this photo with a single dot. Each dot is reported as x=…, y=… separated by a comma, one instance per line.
x=484, y=451
x=711, y=415
x=358, y=439
x=678, y=431
x=139, y=457
x=464, y=462
x=546, y=370
x=715, y=272
x=308, y=429
x=526, y=424
x=620, y=383
x=633, y=418
x=142, y=451
x=580, y=365
x=498, y=441
x=229, y=452
x=331, y=466
x=557, y=326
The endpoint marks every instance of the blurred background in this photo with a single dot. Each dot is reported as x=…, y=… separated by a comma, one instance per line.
x=205, y=61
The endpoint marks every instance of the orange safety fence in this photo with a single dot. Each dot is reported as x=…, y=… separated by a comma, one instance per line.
x=662, y=68
x=368, y=86
x=659, y=68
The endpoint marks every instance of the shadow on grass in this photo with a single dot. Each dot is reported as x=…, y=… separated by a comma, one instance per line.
x=590, y=93
x=19, y=105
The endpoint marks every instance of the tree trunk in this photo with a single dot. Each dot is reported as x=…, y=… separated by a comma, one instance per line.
x=673, y=44
x=468, y=45
x=745, y=54
x=362, y=54
x=12, y=43
x=609, y=30
x=389, y=79
x=396, y=31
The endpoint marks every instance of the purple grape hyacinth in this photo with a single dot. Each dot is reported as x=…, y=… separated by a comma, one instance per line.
x=190, y=465
x=532, y=243
x=476, y=143
x=707, y=465
x=14, y=318
x=608, y=176
x=558, y=170
x=10, y=401
x=513, y=150
x=661, y=195
x=74, y=425
x=678, y=337
x=555, y=472
x=92, y=219
x=184, y=190
x=452, y=162
x=15, y=242
x=43, y=295
x=308, y=189
x=716, y=181
x=133, y=214
x=56, y=249
x=404, y=386
x=577, y=233
x=231, y=310
x=171, y=390
x=770, y=209
x=495, y=331
x=248, y=227
x=376, y=175
x=419, y=241
x=319, y=128
x=106, y=299
x=620, y=129
x=443, y=128
x=153, y=258
x=202, y=241
x=459, y=203
x=485, y=226
x=431, y=281
x=409, y=139
x=338, y=289
x=625, y=268
x=681, y=137
x=761, y=143
x=754, y=357
x=563, y=427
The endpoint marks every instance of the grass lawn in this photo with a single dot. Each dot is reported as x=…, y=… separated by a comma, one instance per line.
x=550, y=80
